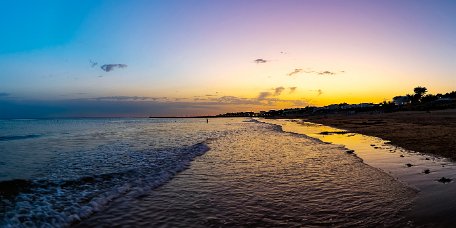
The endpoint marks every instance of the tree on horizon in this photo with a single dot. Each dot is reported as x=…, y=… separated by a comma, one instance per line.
x=419, y=93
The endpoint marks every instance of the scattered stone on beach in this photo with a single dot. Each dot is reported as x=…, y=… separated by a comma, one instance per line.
x=427, y=159
x=427, y=171
x=372, y=144
x=445, y=180
x=350, y=151
x=409, y=165
x=376, y=147
x=401, y=156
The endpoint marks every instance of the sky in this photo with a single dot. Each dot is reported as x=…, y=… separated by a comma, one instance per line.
x=90, y=58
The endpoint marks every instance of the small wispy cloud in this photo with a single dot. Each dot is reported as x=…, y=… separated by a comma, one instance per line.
x=128, y=98
x=263, y=98
x=264, y=95
x=111, y=67
x=260, y=61
x=278, y=90
x=292, y=89
x=320, y=73
x=326, y=72
x=93, y=63
x=273, y=93
x=295, y=71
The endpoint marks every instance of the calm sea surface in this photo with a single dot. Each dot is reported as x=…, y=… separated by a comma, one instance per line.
x=186, y=173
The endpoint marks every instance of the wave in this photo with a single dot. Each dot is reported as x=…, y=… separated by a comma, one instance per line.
x=60, y=203
x=17, y=137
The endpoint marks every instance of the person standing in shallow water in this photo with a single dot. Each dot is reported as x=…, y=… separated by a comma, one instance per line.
x=207, y=120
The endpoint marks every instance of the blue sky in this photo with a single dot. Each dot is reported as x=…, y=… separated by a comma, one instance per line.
x=196, y=57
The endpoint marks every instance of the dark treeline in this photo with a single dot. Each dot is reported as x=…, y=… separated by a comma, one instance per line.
x=419, y=101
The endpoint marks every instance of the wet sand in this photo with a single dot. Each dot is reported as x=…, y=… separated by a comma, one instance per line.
x=428, y=132
x=264, y=177
x=435, y=202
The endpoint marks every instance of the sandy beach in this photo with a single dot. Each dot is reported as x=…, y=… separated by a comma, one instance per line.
x=428, y=132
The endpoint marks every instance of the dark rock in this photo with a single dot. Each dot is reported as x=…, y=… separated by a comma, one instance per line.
x=409, y=165
x=445, y=180
x=14, y=187
x=401, y=156
x=427, y=171
x=350, y=151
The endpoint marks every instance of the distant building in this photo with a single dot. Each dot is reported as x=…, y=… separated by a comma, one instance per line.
x=365, y=105
x=401, y=100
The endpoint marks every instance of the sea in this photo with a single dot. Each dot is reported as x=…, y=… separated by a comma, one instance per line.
x=188, y=172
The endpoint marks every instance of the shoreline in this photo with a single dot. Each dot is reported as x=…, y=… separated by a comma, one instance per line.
x=427, y=132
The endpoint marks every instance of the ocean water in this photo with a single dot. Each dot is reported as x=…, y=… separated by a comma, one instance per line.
x=186, y=173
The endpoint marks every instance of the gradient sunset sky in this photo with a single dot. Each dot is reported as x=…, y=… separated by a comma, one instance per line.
x=196, y=57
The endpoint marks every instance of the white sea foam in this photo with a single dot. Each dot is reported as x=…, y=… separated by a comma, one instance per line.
x=80, y=173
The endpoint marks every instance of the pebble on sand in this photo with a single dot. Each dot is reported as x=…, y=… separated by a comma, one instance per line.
x=445, y=180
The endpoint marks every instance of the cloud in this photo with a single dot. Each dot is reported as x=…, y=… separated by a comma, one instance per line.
x=278, y=90
x=92, y=63
x=264, y=95
x=129, y=106
x=295, y=71
x=128, y=98
x=111, y=67
x=235, y=100
x=292, y=89
x=263, y=99
x=4, y=94
x=319, y=92
x=320, y=73
x=326, y=73
x=260, y=61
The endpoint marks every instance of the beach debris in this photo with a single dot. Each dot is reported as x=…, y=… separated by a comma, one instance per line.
x=427, y=171
x=409, y=165
x=350, y=151
x=376, y=147
x=445, y=180
x=372, y=145
x=427, y=159
x=401, y=156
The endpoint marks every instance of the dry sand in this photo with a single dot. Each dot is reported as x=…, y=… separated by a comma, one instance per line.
x=428, y=132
